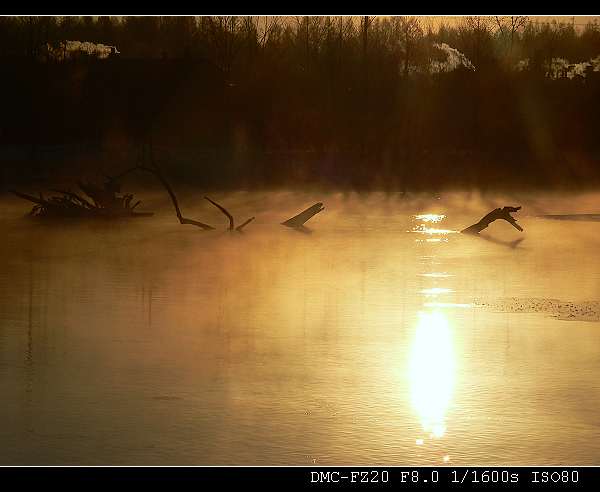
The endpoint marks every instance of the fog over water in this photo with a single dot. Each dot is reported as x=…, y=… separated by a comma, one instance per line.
x=379, y=336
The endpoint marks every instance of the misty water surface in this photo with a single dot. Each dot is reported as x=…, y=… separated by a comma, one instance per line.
x=151, y=343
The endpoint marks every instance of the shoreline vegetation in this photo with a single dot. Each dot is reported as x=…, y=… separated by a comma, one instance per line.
x=359, y=103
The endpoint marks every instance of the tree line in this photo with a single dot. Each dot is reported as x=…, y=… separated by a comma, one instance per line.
x=346, y=101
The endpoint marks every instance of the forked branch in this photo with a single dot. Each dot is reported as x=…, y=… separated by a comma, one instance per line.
x=230, y=217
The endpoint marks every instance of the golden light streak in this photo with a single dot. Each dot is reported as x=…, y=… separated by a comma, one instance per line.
x=432, y=371
x=435, y=291
x=430, y=217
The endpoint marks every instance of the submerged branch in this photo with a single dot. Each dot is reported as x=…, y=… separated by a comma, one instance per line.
x=230, y=217
x=75, y=196
x=182, y=220
x=240, y=227
x=224, y=210
x=71, y=205
x=38, y=201
x=108, y=204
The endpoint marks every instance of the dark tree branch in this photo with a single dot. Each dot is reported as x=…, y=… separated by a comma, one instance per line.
x=240, y=227
x=224, y=210
x=39, y=201
x=124, y=173
x=182, y=220
x=75, y=196
x=230, y=217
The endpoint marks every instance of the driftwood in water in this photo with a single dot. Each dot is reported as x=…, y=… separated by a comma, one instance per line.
x=230, y=217
x=105, y=202
x=154, y=169
x=84, y=202
x=297, y=221
x=69, y=204
x=498, y=213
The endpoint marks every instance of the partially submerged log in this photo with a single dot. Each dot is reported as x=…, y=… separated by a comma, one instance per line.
x=297, y=221
x=498, y=213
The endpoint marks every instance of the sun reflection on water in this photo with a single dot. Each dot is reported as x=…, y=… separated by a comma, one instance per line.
x=435, y=291
x=432, y=371
x=423, y=229
x=435, y=275
x=430, y=217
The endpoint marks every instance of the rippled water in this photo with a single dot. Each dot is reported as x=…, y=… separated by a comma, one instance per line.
x=382, y=337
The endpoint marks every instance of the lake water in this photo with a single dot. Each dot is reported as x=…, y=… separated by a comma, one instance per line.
x=382, y=337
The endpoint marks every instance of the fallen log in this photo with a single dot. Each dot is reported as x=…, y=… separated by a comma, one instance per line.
x=298, y=221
